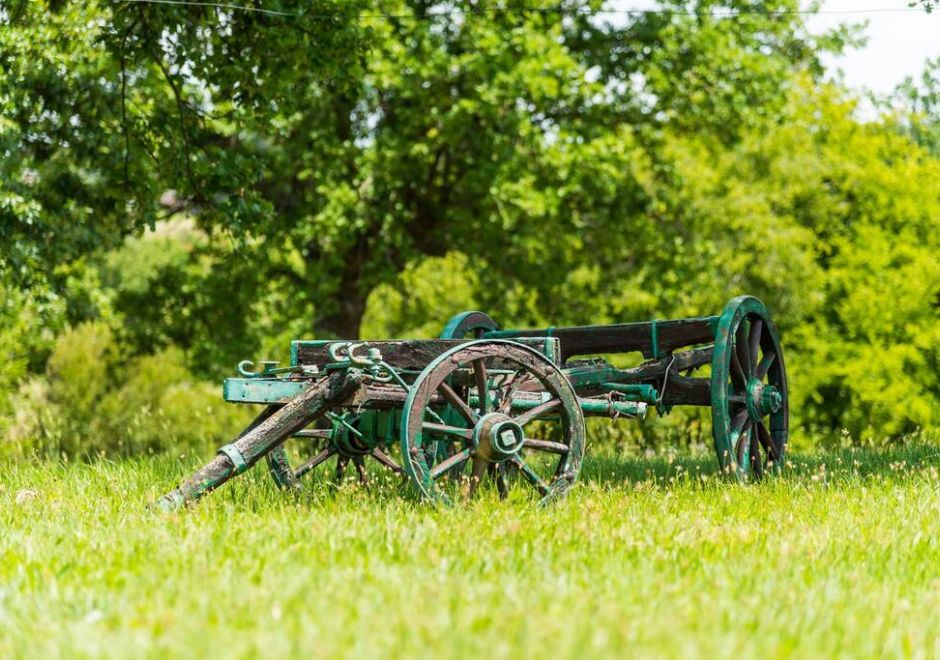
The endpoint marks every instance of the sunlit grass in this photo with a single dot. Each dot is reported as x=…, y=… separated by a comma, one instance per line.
x=647, y=556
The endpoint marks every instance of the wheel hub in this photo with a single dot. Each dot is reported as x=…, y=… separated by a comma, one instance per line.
x=762, y=399
x=496, y=437
x=347, y=439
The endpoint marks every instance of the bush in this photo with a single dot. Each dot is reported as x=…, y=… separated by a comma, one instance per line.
x=91, y=403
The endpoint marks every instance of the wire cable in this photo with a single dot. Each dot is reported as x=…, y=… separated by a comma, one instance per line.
x=573, y=11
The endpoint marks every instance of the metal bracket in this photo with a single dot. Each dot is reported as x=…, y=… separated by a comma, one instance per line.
x=654, y=340
x=269, y=368
x=344, y=356
x=231, y=452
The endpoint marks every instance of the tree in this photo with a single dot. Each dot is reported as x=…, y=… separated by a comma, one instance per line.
x=337, y=144
x=108, y=106
x=921, y=103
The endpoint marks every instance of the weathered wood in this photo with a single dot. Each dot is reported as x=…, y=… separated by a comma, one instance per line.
x=655, y=370
x=414, y=354
x=684, y=391
x=663, y=336
x=590, y=377
x=263, y=436
x=380, y=396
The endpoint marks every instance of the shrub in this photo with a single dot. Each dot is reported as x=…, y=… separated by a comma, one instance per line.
x=90, y=403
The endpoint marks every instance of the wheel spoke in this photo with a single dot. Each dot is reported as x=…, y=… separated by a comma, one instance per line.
x=506, y=404
x=466, y=434
x=767, y=441
x=454, y=399
x=341, y=463
x=736, y=398
x=546, y=445
x=757, y=328
x=737, y=372
x=540, y=409
x=359, y=463
x=501, y=484
x=531, y=476
x=757, y=465
x=385, y=460
x=741, y=348
x=313, y=462
x=483, y=392
x=450, y=462
x=476, y=475
x=314, y=433
x=766, y=362
x=741, y=443
x=737, y=424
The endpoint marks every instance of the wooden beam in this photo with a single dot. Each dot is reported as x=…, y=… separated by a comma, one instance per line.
x=653, y=339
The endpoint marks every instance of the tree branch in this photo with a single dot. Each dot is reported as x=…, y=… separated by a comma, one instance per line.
x=180, y=105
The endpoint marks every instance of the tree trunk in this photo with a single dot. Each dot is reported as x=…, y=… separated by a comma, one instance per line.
x=345, y=322
x=348, y=302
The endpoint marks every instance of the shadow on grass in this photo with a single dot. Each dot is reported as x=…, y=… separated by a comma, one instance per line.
x=892, y=462
x=662, y=470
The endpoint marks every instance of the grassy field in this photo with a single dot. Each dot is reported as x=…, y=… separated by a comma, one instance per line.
x=646, y=557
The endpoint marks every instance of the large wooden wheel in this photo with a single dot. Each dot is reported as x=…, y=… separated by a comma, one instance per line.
x=483, y=400
x=750, y=410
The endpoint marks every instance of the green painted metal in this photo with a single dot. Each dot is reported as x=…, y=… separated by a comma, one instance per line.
x=496, y=437
x=261, y=390
x=468, y=323
x=596, y=374
x=350, y=436
x=634, y=391
x=655, y=353
x=268, y=369
x=612, y=408
x=238, y=461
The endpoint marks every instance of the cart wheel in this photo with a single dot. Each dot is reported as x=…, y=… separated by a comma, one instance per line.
x=338, y=445
x=445, y=407
x=750, y=410
x=468, y=324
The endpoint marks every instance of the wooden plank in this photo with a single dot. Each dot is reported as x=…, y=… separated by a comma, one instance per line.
x=272, y=428
x=589, y=378
x=624, y=337
x=413, y=354
x=682, y=391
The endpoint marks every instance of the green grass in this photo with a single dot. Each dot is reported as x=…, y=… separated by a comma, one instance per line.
x=655, y=556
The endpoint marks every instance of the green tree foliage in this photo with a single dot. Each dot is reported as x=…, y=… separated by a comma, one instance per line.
x=347, y=169
x=93, y=400
x=339, y=143
x=921, y=102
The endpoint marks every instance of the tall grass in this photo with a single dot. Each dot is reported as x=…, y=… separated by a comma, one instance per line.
x=648, y=556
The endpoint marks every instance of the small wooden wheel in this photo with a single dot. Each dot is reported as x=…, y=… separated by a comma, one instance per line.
x=750, y=409
x=342, y=441
x=481, y=400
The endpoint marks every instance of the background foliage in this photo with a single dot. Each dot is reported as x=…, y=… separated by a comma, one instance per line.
x=185, y=186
